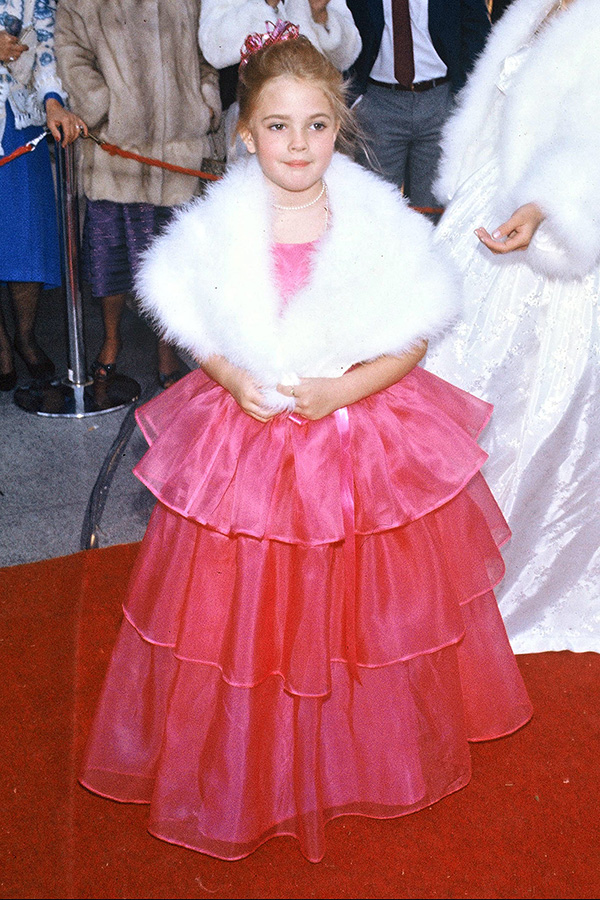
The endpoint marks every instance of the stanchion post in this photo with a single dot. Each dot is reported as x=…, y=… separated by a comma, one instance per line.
x=69, y=221
x=76, y=395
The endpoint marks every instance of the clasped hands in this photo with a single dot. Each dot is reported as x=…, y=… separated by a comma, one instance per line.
x=314, y=398
x=516, y=233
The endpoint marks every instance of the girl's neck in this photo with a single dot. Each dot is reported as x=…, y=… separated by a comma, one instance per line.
x=302, y=223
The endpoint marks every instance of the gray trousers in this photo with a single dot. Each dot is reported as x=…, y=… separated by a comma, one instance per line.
x=402, y=133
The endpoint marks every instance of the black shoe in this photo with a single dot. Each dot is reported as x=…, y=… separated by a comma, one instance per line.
x=40, y=370
x=8, y=380
x=103, y=371
x=165, y=379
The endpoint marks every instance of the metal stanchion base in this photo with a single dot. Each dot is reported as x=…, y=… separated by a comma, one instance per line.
x=60, y=397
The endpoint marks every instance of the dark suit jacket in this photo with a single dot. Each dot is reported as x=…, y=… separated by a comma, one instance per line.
x=458, y=29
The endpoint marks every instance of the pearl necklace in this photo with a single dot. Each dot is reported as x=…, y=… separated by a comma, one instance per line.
x=303, y=205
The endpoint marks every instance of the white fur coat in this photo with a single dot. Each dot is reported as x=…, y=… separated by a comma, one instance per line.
x=135, y=74
x=549, y=137
x=224, y=25
x=377, y=286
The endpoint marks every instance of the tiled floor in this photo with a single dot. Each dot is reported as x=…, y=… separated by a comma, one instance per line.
x=50, y=467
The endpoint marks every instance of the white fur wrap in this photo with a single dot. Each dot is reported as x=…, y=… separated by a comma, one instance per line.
x=549, y=138
x=224, y=25
x=377, y=286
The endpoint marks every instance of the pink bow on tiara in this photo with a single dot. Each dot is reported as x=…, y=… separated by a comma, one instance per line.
x=275, y=34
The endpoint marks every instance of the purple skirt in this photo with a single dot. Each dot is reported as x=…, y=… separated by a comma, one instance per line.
x=114, y=237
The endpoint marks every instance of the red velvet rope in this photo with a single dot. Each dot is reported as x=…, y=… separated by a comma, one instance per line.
x=116, y=151
x=113, y=150
x=149, y=161
x=20, y=151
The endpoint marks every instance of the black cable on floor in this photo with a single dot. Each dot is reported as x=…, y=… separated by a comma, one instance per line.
x=99, y=494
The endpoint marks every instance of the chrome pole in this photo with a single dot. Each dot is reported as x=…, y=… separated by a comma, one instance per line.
x=69, y=222
x=75, y=395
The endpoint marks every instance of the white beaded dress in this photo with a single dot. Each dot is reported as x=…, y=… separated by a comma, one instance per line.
x=530, y=345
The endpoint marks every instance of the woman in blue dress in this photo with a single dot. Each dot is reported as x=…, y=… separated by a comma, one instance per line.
x=31, y=98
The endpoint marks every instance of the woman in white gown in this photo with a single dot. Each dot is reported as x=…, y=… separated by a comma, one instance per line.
x=523, y=149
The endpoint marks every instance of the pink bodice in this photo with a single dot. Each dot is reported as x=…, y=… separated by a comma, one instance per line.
x=292, y=264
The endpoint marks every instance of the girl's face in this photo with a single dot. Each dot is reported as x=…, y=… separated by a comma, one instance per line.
x=292, y=131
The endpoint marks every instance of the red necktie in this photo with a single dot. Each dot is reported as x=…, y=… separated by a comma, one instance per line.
x=404, y=63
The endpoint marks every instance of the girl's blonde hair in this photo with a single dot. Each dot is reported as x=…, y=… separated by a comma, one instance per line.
x=296, y=58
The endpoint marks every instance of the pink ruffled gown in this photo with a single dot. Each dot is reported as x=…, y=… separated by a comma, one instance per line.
x=310, y=628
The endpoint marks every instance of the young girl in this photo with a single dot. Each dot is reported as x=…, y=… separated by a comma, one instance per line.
x=310, y=629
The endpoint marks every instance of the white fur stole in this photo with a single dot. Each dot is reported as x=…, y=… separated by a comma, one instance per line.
x=377, y=285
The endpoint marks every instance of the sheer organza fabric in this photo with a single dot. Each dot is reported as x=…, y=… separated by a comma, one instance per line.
x=230, y=705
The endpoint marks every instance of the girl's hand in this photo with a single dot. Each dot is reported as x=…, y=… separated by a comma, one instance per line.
x=242, y=387
x=516, y=233
x=318, y=397
x=248, y=396
x=315, y=397
x=319, y=11
x=10, y=48
x=64, y=125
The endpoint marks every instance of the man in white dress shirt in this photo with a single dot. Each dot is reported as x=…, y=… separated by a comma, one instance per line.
x=416, y=54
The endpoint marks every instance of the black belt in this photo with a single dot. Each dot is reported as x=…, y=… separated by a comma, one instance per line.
x=416, y=88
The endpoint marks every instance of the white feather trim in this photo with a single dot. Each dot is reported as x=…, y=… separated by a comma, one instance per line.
x=549, y=145
x=377, y=285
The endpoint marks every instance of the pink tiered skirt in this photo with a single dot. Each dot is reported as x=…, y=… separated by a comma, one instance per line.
x=310, y=628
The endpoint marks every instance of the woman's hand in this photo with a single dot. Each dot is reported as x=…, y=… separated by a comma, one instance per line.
x=318, y=9
x=64, y=125
x=516, y=233
x=10, y=48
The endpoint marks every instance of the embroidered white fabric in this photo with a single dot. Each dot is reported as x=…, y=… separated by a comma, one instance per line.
x=531, y=346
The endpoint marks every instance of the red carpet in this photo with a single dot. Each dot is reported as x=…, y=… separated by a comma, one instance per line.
x=528, y=825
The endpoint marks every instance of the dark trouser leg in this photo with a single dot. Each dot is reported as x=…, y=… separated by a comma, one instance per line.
x=384, y=117
x=430, y=111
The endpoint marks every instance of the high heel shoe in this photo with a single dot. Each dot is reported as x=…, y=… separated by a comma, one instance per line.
x=166, y=379
x=8, y=380
x=40, y=370
x=103, y=371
